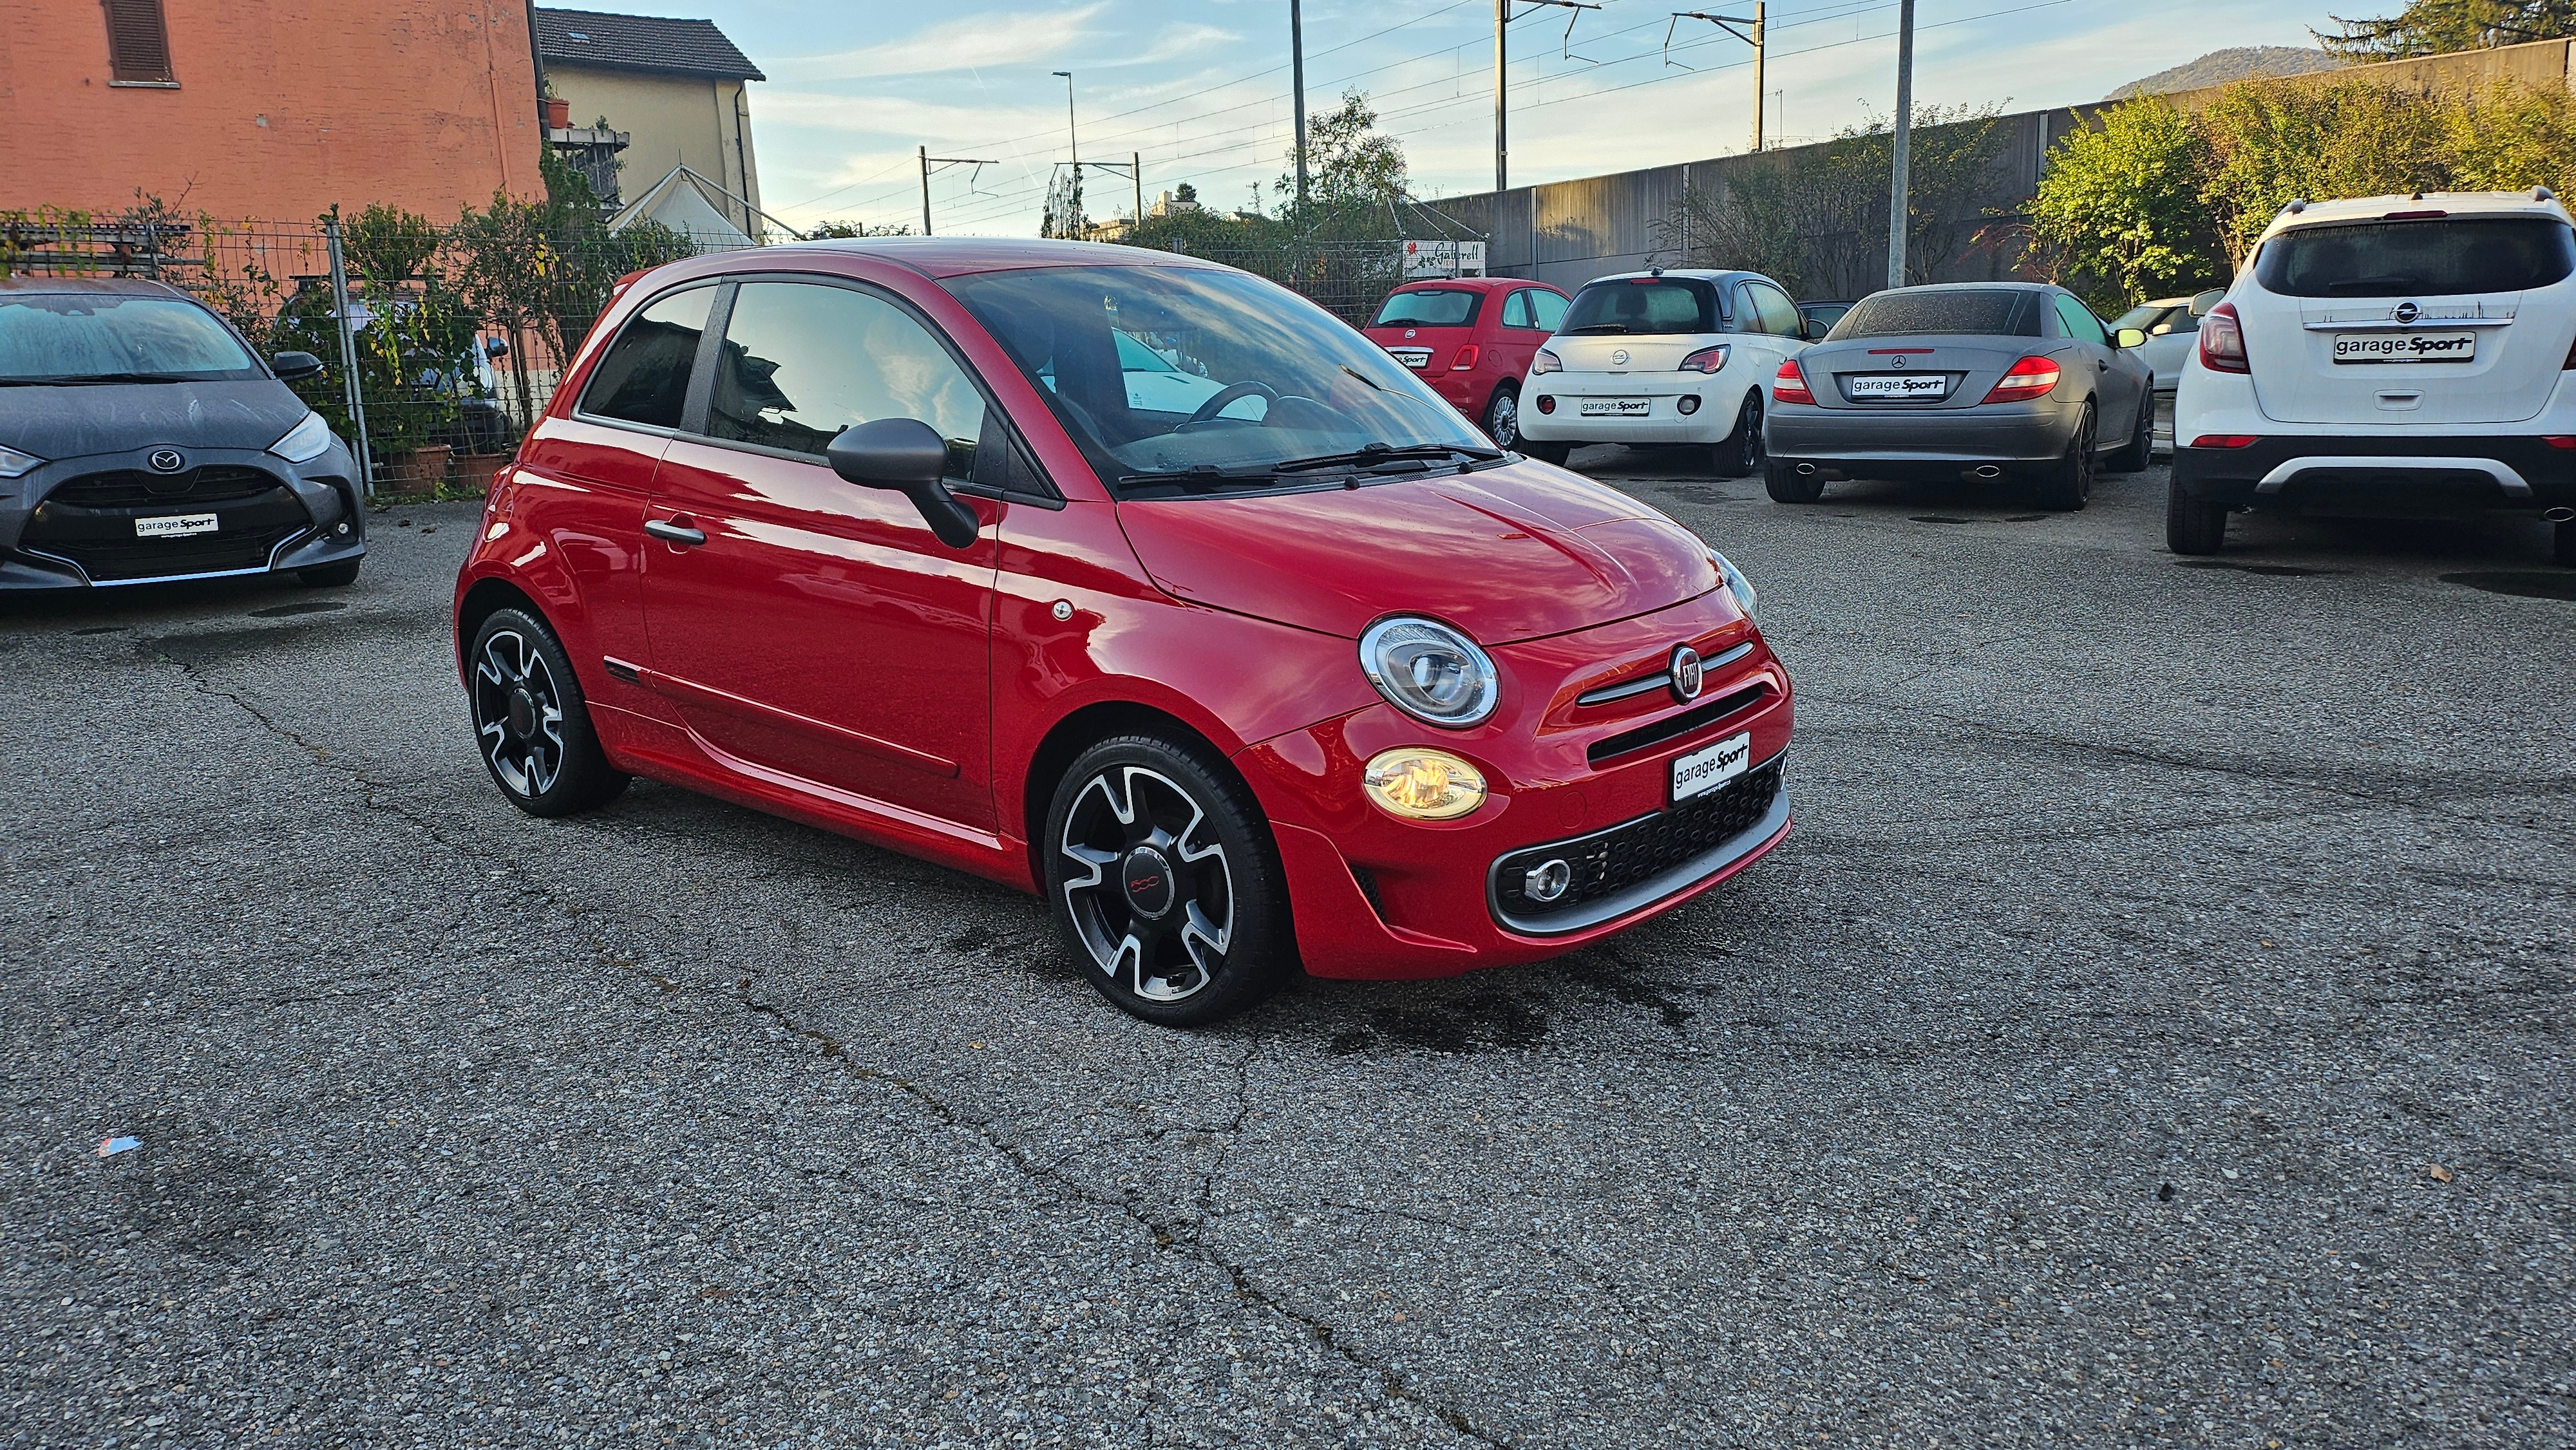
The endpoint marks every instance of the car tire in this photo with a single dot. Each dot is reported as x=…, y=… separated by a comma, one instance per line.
x=330, y=576
x=2563, y=547
x=531, y=723
x=2141, y=449
x=1785, y=485
x=1134, y=807
x=1555, y=453
x=1741, y=454
x=1503, y=417
x=2193, y=527
x=2069, y=481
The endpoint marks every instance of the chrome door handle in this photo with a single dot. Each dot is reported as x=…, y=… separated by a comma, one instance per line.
x=674, y=533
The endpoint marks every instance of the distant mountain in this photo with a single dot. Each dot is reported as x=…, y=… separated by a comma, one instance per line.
x=2235, y=64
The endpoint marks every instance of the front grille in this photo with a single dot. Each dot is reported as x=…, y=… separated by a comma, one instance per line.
x=1624, y=857
x=1676, y=725
x=110, y=563
x=132, y=488
x=101, y=538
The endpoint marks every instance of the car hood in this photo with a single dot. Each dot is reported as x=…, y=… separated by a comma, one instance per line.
x=75, y=421
x=1510, y=553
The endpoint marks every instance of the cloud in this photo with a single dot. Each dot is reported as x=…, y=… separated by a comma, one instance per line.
x=969, y=43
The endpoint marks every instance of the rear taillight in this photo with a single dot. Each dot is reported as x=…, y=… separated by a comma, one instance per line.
x=1545, y=362
x=2222, y=341
x=2032, y=377
x=1706, y=360
x=1790, y=385
x=1466, y=359
x=2226, y=440
x=2559, y=440
x=1546, y=404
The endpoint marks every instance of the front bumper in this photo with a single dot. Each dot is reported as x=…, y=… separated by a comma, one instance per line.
x=1720, y=395
x=1895, y=442
x=1379, y=897
x=2409, y=476
x=67, y=525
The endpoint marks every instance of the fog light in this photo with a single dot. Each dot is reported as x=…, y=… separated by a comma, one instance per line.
x=1547, y=880
x=1688, y=405
x=1423, y=785
x=342, y=527
x=1546, y=404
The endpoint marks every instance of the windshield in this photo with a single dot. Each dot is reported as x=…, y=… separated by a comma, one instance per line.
x=1940, y=311
x=1644, y=305
x=2144, y=316
x=1160, y=371
x=1431, y=307
x=68, y=336
x=2418, y=258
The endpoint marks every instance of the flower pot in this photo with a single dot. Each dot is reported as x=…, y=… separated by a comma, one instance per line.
x=426, y=464
x=474, y=470
x=558, y=113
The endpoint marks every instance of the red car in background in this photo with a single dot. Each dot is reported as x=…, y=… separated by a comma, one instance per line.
x=1471, y=338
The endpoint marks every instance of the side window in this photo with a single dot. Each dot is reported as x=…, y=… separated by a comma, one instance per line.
x=1516, y=310
x=645, y=376
x=1547, y=309
x=2080, y=321
x=804, y=360
x=1779, y=314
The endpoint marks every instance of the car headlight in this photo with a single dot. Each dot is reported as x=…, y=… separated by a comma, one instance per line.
x=305, y=441
x=1545, y=362
x=1430, y=672
x=14, y=463
x=1736, y=583
x=1423, y=785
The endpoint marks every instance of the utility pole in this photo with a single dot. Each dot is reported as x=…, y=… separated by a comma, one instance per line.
x=1297, y=78
x=925, y=191
x=1897, y=183
x=1759, y=21
x=1502, y=17
x=930, y=163
x=1136, y=169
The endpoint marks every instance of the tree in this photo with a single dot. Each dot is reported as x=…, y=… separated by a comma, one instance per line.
x=2272, y=143
x=1186, y=193
x=833, y=231
x=1351, y=170
x=2119, y=214
x=2433, y=27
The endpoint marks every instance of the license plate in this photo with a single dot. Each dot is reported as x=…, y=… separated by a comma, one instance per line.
x=2405, y=347
x=1412, y=357
x=174, y=526
x=1899, y=387
x=1610, y=407
x=1711, y=766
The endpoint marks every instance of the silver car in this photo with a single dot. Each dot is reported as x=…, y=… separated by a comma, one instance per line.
x=2172, y=326
x=1986, y=381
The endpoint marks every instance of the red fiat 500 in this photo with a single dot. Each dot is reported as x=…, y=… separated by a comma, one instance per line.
x=1129, y=579
x=1472, y=339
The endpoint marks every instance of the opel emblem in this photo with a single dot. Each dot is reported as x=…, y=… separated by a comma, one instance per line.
x=1685, y=673
x=2407, y=312
x=1408, y=332
x=167, y=460
x=1896, y=362
x=1619, y=358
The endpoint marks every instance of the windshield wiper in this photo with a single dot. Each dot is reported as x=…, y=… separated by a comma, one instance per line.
x=72, y=379
x=1201, y=477
x=1371, y=454
x=1597, y=327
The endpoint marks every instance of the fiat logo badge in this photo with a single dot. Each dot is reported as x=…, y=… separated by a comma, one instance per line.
x=167, y=460
x=2407, y=312
x=1685, y=673
x=1620, y=357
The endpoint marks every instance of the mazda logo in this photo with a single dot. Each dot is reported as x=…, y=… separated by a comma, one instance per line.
x=1685, y=673
x=2407, y=312
x=167, y=460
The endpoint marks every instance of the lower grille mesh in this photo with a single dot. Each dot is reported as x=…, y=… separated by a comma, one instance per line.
x=1622, y=857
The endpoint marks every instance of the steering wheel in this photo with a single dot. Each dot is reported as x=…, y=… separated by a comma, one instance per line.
x=1229, y=394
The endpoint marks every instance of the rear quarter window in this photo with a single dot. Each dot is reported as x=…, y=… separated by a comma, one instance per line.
x=2428, y=258
x=1978, y=313
x=1432, y=307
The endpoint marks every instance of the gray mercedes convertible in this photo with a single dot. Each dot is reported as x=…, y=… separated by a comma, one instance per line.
x=1983, y=381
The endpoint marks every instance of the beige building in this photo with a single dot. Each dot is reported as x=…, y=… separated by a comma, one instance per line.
x=677, y=93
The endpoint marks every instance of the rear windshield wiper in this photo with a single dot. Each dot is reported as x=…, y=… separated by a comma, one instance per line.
x=1597, y=327
x=1371, y=454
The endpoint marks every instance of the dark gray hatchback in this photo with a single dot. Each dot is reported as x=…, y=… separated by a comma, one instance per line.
x=141, y=441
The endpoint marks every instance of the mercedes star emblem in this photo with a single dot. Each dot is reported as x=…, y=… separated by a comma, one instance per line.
x=1896, y=362
x=167, y=460
x=1685, y=673
x=2407, y=312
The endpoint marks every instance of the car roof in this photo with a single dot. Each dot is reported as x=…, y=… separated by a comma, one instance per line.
x=957, y=256
x=43, y=285
x=2538, y=201
x=1472, y=284
x=1698, y=274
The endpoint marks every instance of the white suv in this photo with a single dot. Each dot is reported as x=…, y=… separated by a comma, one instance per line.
x=2393, y=356
x=1662, y=357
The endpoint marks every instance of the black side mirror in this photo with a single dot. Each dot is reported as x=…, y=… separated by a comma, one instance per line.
x=1812, y=329
x=294, y=366
x=906, y=455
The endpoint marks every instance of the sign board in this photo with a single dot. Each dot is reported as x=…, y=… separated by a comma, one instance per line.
x=1443, y=259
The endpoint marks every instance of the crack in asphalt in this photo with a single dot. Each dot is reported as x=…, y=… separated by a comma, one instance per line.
x=1166, y=1236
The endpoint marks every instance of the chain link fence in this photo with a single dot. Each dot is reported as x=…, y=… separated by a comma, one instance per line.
x=439, y=345
x=1347, y=279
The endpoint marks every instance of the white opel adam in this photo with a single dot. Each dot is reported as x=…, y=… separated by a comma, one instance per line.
x=1660, y=358
x=2391, y=357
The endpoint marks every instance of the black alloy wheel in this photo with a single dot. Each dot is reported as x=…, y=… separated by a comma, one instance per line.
x=1159, y=868
x=1786, y=485
x=1503, y=417
x=1741, y=453
x=2192, y=527
x=2141, y=447
x=2069, y=481
x=531, y=722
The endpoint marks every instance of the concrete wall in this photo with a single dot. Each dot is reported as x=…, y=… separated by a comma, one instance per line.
x=671, y=121
x=281, y=108
x=1569, y=232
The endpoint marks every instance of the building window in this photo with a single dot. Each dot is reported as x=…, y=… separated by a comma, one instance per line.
x=138, y=44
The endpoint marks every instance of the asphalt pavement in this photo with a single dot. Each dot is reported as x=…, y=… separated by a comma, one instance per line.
x=2154, y=1031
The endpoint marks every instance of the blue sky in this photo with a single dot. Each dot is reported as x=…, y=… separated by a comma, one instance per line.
x=1200, y=87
